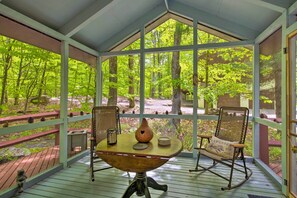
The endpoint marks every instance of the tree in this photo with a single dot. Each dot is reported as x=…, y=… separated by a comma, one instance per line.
x=223, y=71
x=175, y=73
x=131, y=82
x=7, y=62
x=113, y=91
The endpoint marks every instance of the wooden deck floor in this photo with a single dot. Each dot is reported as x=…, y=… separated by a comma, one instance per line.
x=74, y=182
x=32, y=164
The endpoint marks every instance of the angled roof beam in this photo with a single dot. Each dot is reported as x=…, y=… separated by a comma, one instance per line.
x=211, y=20
x=292, y=8
x=166, y=4
x=275, y=5
x=85, y=17
x=133, y=28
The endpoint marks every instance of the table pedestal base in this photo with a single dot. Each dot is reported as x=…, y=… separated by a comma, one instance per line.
x=140, y=185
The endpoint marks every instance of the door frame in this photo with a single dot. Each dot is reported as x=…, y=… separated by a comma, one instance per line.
x=291, y=111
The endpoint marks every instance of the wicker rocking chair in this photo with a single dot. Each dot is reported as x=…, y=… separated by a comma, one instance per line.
x=226, y=145
x=103, y=118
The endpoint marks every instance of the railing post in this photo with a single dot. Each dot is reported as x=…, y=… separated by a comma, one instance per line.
x=264, y=147
x=57, y=126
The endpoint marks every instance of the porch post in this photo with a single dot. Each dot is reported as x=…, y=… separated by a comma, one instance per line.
x=195, y=86
x=142, y=70
x=64, y=102
x=99, y=80
x=256, y=96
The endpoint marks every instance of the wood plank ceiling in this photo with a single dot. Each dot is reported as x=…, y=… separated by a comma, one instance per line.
x=102, y=24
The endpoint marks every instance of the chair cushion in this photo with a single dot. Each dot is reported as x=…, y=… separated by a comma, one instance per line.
x=221, y=147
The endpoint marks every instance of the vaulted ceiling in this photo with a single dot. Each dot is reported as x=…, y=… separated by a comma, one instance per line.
x=102, y=24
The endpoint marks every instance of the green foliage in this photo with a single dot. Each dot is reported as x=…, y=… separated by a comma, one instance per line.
x=221, y=71
x=32, y=71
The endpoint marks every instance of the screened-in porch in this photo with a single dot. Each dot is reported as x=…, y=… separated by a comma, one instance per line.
x=172, y=62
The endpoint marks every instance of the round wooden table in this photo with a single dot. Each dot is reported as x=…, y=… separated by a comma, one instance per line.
x=124, y=157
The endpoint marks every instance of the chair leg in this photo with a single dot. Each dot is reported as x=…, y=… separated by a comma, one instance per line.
x=231, y=174
x=92, y=164
x=244, y=165
x=198, y=157
x=197, y=163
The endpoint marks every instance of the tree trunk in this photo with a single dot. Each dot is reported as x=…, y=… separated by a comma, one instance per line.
x=278, y=89
x=153, y=78
x=7, y=64
x=31, y=84
x=131, y=82
x=18, y=83
x=113, y=80
x=175, y=73
x=159, y=76
x=41, y=85
x=89, y=85
x=207, y=104
x=74, y=83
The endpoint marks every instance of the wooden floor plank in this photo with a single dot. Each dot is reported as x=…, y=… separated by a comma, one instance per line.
x=10, y=174
x=32, y=164
x=38, y=164
x=55, y=155
x=12, y=177
x=75, y=182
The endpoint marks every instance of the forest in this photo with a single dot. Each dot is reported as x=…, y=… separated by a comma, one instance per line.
x=28, y=72
x=30, y=76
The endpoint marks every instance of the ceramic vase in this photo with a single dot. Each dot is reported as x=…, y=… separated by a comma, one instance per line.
x=144, y=133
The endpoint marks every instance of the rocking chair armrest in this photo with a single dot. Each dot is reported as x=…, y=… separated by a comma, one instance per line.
x=238, y=145
x=204, y=136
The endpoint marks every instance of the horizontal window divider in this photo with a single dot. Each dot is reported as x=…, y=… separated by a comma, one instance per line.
x=163, y=116
x=168, y=116
x=118, y=53
x=127, y=115
x=185, y=116
x=207, y=117
x=79, y=118
x=24, y=127
x=224, y=45
x=269, y=123
x=180, y=48
x=169, y=49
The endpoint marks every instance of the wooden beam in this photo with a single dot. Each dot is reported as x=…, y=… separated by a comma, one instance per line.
x=133, y=28
x=229, y=27
x=87, y=16
x=275, y=5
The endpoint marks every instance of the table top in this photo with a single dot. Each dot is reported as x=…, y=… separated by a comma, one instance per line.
x=125, y=144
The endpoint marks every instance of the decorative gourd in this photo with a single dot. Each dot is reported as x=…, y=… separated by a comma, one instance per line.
x=144, y=133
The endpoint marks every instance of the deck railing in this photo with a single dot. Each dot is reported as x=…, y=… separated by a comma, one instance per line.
x=31, y=118
x=265, y=143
